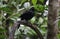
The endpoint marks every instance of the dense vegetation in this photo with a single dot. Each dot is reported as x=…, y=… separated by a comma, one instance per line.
x=10, y=10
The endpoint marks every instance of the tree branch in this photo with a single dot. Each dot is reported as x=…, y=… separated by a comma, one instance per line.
x=14, y=27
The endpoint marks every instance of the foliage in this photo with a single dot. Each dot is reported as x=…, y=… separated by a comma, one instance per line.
x=14, y=8
x=2, y=33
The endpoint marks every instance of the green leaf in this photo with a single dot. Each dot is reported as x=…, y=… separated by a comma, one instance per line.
x=2, y=36
x=22, y=1
x=33, y=20
x=7, y=9
x=34, y=2
x=41, y=1
x=59, y=23
x=58, y=36
x=2, y=30
x=39, y=7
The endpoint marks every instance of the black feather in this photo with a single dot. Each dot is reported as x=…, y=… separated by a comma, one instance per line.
x=27, y=15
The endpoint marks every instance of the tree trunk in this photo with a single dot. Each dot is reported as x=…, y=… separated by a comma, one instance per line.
x=52, y=19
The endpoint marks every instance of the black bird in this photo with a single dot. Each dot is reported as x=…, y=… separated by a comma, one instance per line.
x=27, y=15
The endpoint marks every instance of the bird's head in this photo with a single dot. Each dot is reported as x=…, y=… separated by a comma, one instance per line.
x=32, y=9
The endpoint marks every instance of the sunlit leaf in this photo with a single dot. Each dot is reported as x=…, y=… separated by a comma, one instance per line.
x=34, y=2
